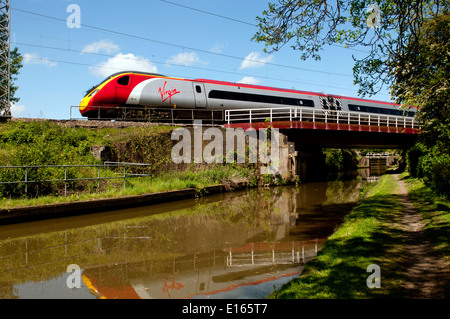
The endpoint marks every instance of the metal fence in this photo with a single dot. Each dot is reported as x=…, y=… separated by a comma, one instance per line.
x=106, y=166
x=250, y=115
x=146, y=114
x=315, y=115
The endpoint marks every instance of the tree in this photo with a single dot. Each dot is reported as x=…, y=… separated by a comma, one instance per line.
x=424, y=80
x=387, y=28
x=409, y=51
x=15, y=65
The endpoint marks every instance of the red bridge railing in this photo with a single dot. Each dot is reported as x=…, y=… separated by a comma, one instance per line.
x=322, y=116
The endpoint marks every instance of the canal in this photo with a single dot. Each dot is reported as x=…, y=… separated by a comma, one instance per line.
x=234, y=245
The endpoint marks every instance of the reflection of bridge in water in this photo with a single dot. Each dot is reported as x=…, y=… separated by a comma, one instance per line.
x=273, y=253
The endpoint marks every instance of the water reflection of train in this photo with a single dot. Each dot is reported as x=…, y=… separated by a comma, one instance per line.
x=218, y=261
x=205, y=274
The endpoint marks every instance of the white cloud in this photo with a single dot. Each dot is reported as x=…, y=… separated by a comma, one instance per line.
x=106, y=46
x=218, y=47
x=33, y=58
x=16, y=109
x=123, y=62
x=185, y=58
x=249, y=80
x=254, y=60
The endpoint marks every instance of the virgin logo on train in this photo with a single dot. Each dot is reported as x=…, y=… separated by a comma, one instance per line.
x=167, y=94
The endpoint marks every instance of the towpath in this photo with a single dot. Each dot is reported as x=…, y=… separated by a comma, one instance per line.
x=425, y=272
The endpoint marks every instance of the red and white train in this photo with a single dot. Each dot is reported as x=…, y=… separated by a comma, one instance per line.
x=140, y=89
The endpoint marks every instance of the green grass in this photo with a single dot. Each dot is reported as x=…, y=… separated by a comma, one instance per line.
x=365, y=238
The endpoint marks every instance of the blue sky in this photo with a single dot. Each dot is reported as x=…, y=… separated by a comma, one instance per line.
x=61, y=63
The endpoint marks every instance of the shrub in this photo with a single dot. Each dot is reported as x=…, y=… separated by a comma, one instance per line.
x=340, y=160
x=413, y=157
x=436, y=172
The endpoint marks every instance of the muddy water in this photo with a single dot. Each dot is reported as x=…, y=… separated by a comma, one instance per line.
x=237, y=245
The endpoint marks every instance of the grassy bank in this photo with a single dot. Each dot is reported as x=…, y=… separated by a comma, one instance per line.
x=339, y=271
x=43, y=143
x=370, y=235
x=193, y=178
x=50, y=143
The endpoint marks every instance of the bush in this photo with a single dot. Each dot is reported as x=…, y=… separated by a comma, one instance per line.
x=340, y=160
x=436, y=172
x=145, y=146
x=39, y=143
x=432, y=165
x=413, y=157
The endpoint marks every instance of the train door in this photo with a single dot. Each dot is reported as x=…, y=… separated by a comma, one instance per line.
x=123, y=89
x=199, y=94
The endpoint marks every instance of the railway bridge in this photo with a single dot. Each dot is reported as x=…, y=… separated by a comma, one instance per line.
x=304, y=132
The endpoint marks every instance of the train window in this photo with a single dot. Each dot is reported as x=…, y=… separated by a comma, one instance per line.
x=309, y=103
x=93, y=92
x=198, y=89
x=124, y=80
x=378, y=110
x=258, y=98
x=361, y=108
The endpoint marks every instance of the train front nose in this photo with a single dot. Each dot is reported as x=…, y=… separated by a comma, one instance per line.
x=100, y=97
x=87, y=102
x=112, y=92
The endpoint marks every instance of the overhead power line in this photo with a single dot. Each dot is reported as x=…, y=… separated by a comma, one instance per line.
x=182, y=46
x=210, y=13
x=248, y=23
x=46, y=60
